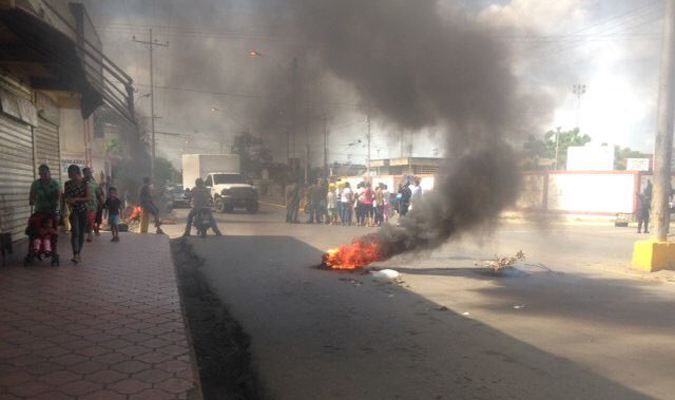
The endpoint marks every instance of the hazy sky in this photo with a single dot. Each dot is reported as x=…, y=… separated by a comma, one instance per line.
x=611, y=46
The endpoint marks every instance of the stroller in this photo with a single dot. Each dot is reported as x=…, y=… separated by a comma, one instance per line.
x=36, y=223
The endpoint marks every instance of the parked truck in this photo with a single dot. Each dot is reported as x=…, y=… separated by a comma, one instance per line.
x=222, y=175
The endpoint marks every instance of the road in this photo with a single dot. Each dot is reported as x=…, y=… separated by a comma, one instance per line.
x=585, y=327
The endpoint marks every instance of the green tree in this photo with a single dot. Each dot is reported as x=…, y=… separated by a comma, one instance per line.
x=165, y=172
x=621, y=154
x=536, y=149
x=252, y=153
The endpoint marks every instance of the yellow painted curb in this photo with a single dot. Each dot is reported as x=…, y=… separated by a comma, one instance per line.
x=652, y=256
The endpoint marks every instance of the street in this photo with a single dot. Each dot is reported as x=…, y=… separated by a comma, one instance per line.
x=575, y=324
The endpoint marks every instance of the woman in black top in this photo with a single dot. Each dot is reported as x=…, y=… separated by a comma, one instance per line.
x=78, y=195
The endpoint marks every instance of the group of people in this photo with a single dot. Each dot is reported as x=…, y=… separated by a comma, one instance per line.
x=340, y=204
x=83, y=203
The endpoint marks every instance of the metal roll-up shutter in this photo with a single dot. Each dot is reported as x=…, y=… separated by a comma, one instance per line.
x=47, y=147
x=16, y=175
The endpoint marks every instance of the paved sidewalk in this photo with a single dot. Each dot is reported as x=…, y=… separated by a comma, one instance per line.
x=109, y=328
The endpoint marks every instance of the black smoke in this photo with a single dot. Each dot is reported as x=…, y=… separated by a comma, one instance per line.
x=420, y=64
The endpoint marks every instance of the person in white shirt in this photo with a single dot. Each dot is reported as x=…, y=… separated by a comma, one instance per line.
x=331, y=205
x=416, y=193
x=347, y=199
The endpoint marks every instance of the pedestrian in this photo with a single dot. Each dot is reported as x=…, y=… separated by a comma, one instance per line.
x=78, y=196
x=148, y=204
x=292, y=202
x=340, y=187
x=644, y=209
x=404, y=200
x=201, y=202
x=93, y=206
x=358, y=203
x=347, y=201
x=45, y=197
x=367, y=204
x=316, y=198
x=415, y=193
x=378, y=204
x=332, y=205
x=386, y=196
x=323, y=205
x=114, y=206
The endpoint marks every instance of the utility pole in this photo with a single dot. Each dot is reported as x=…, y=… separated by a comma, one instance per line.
x=294, y=83
x=664, y=133
x=325, y=146
x=151, y=44
x=307, y=116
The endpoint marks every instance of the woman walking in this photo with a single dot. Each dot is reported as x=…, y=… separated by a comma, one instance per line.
x=78, y=195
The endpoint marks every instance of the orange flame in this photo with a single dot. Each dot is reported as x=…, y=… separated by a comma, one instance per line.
x=359, y=254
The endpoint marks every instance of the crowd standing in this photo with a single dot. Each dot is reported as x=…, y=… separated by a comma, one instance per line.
x=80, y=208
x=338, y=203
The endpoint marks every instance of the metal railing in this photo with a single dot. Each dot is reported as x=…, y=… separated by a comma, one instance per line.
x=114, y=85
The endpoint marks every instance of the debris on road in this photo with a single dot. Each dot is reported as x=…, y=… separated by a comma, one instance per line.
x=502, y=264
x=466, y=313
x=519, y=306
x=354, y=282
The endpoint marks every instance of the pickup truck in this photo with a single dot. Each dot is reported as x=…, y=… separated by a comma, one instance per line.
x=230, y=191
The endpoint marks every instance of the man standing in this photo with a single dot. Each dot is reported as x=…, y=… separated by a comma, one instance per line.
x=644, y=209
x=96, y=200
x=45, y=193
x=201, y=201
x=45, y=198
x=148, y=204
x=315, y=198
x=294, y=194
x=403, y=201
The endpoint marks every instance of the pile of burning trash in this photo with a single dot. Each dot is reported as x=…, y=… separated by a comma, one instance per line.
x=358, y=255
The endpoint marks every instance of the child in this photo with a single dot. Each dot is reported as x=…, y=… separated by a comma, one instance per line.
x=114, y=205
x=43, y=242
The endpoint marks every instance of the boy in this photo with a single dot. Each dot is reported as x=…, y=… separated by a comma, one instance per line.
x=114, y=205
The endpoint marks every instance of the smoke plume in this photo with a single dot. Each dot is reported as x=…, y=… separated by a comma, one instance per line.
x=418, y=64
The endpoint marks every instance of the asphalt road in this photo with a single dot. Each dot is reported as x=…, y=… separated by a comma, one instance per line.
x=584, y=327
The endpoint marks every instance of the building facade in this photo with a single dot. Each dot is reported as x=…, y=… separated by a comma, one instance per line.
x=53, y=76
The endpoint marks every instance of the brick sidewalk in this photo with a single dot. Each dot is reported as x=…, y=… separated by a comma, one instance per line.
x=109, y=328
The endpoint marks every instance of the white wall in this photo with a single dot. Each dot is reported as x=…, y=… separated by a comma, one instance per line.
x=591, y=193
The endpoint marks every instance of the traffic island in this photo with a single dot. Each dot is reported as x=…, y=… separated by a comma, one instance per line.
x=652, y=255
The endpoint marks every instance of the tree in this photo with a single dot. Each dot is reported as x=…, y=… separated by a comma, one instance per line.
x=536, y=149
x=252, y=153
x=165, y=172
x=622, y=154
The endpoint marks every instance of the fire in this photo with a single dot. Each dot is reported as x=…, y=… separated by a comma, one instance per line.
x=359, y=254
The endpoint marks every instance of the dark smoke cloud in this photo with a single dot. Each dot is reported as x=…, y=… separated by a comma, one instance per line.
x=418, y=68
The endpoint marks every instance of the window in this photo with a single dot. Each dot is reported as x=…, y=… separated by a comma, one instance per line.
x=228, y=178
x=209, y=181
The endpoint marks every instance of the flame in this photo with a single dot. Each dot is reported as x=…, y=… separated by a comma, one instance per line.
x=359, y=254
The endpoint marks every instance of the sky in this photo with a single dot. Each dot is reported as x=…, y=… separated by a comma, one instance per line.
x=610, y=46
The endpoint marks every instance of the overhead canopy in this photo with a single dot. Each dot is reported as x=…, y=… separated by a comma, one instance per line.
x=56, y=62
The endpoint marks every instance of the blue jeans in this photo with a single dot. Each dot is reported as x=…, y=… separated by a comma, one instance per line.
x=346, y=215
